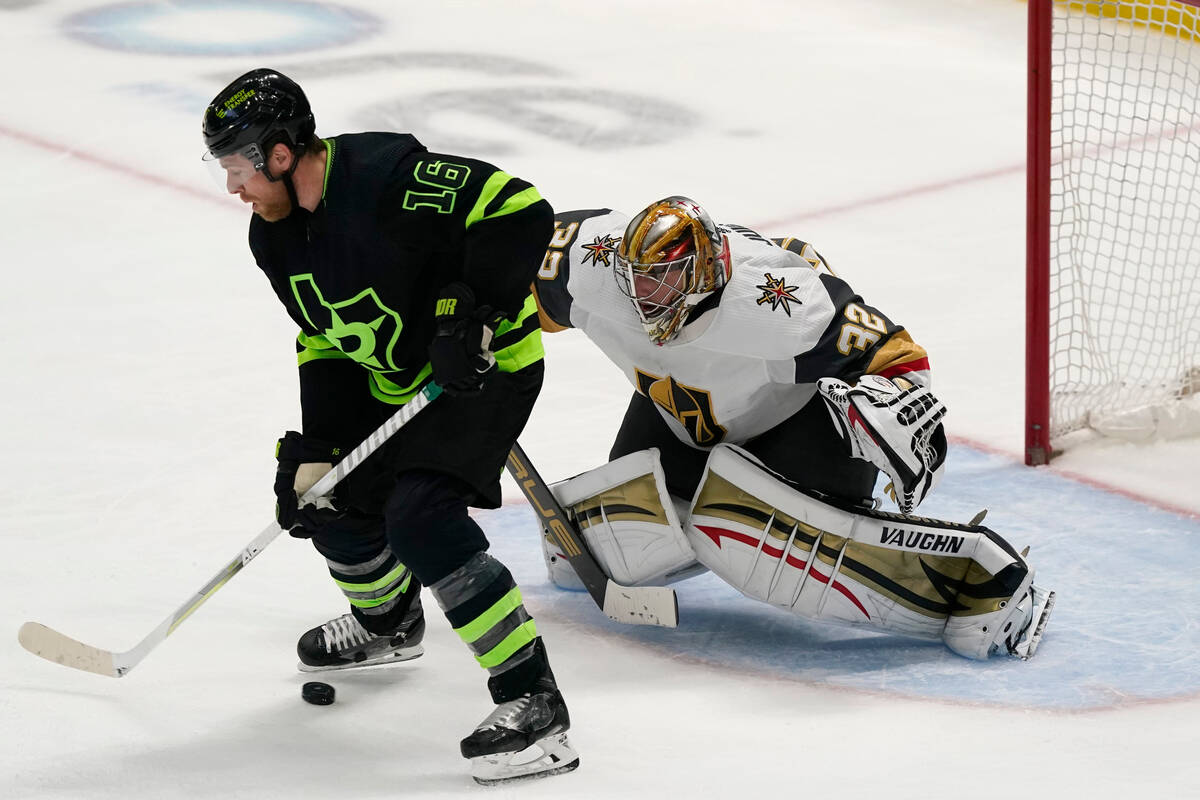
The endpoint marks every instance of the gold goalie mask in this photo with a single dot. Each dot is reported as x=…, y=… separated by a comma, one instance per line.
x=671, y=257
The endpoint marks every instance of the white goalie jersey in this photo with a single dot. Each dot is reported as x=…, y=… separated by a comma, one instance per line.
x=749, y=357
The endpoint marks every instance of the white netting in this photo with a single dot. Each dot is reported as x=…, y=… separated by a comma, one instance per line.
x=1125, y=219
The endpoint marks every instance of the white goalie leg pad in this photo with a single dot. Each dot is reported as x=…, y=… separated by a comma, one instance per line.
x=561, y=573
x=627, y=519
x=898, y=574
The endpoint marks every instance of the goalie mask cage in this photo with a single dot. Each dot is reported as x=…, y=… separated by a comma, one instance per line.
x=1113, y=222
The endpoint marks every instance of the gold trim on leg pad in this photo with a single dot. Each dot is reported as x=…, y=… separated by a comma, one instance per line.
x=898, y=574
x=627, y=519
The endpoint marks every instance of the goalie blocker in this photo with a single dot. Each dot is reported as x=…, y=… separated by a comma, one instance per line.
x=905, y=575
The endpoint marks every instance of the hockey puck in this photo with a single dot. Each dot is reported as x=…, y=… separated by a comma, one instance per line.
x=317, y=693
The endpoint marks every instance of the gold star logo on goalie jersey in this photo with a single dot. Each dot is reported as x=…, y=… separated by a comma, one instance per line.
x=599, y=250
x=776, y=292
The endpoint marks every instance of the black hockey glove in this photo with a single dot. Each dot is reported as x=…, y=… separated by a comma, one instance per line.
x=461, y=350
x=302, y=462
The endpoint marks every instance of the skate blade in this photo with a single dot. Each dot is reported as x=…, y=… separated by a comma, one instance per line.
x=545, y=757
x=391, y=658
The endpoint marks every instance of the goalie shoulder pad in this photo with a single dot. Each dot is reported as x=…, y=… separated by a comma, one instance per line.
x=627, y=519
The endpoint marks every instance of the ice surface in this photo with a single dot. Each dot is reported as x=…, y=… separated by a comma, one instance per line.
x=149, y=371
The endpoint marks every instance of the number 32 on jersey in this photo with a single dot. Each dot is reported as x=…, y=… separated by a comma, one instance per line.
x=862, y=331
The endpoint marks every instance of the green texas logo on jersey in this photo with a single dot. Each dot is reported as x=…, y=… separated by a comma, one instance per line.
x=362, y=327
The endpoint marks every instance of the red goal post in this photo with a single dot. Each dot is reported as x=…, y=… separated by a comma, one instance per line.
x=1112, y=222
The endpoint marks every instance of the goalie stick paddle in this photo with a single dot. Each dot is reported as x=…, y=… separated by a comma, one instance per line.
x=633, y=605
x=62, y=649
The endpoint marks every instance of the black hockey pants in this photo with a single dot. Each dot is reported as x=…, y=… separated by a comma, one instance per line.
x=805, y=448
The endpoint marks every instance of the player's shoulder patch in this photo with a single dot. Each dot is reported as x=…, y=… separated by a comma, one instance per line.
x=778, y=293
x=599, y=251
x=778, y=287
x=587, y=237
x=579, y=259
x=773, y=306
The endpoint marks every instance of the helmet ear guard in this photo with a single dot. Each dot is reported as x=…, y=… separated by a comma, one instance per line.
x=671, y=256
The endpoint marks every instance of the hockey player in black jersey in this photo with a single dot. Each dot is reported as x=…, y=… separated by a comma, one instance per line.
x=402, y=267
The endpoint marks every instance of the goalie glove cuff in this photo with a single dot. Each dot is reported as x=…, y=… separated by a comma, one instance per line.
x=898, y=430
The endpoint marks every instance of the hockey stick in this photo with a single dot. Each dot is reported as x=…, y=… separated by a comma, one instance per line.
x=633, y=605
x=62, y=649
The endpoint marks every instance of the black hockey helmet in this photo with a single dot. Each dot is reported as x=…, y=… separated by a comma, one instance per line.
x=254, y=113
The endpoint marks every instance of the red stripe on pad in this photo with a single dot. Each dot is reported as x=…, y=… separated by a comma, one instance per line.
x=716, y=534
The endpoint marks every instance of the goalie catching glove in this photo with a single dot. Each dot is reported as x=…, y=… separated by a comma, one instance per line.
x=461, y=351
x=899, y=430
x=303, y=461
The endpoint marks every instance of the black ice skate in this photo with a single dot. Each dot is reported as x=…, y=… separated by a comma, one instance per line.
x=343, y=643
x=523, y=738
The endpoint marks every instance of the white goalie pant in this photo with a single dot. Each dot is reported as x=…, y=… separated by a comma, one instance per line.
x=629, y=523
x=906, y=575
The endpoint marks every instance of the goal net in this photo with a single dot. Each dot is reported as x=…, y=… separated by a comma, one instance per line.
x=1114, y=221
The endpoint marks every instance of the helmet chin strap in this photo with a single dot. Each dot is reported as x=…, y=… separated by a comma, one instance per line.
x=286, y=177
x=291, y=188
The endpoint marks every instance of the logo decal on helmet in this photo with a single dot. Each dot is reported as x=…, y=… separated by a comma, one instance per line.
x=260, y=108
x=599, y=250
x=235, y=101
x=778, y=294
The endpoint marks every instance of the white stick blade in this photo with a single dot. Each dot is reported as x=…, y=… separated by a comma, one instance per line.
x=641, y=605
x=54, y=646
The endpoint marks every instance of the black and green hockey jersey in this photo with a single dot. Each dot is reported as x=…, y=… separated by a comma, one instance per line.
x=360, y=274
